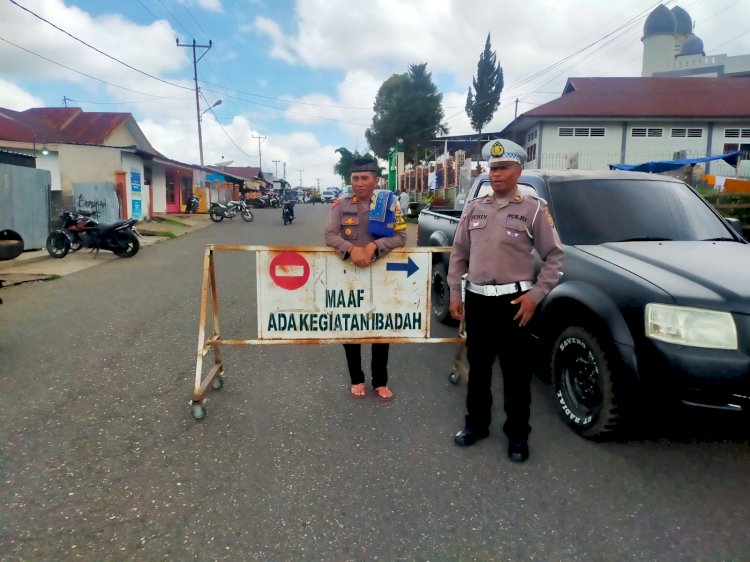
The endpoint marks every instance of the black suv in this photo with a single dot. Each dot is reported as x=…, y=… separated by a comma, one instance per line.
x=655, y=295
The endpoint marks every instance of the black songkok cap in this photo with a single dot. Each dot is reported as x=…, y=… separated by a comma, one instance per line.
x=365, y=165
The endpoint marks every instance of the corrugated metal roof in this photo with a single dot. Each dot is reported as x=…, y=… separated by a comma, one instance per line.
x=60, y=124
x=245, y=172
x=699, y=97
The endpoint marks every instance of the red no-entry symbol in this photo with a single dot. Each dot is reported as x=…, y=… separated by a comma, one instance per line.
x=289, y=270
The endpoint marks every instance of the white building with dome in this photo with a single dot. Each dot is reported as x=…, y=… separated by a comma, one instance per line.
x=670, y=48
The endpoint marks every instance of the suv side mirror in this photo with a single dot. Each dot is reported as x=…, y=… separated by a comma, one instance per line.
x=736, y=224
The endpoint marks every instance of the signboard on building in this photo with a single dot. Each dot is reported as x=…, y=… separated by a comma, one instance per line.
x=135, y=194
x=316, y=295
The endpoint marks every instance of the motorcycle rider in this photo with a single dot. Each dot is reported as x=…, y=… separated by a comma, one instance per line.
x=289, y=201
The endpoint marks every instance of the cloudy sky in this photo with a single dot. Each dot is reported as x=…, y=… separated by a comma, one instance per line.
x=297, y=79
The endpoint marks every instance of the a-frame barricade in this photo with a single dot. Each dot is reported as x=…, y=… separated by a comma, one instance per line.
x=307, y=295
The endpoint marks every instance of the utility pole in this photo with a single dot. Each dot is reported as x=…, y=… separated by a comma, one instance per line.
x=284, y=170
x=195, y=77
x=300, y=177
x=276, y=174
x=317, y=180
x=260, y=155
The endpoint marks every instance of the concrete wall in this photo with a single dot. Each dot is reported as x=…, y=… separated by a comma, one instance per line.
x=159, y=188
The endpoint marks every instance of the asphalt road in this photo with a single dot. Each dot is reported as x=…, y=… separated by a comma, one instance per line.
x=100, y=458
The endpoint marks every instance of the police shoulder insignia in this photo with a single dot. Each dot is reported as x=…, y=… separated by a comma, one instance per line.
x=548, y=216
x=517, y=199
x=400, y=222
x=354, y=199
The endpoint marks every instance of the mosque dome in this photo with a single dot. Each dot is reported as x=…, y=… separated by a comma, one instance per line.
x=683, y=23
x=659, y=22
x=693, y=45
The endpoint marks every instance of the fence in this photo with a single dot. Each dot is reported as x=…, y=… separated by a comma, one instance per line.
x=25, y=203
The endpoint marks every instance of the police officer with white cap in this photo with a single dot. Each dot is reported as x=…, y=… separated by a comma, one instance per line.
x=492, y=251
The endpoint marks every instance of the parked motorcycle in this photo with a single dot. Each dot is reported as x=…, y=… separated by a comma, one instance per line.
x=82, y=230
x=219, y=211
x=287, y=212
x=192, y=204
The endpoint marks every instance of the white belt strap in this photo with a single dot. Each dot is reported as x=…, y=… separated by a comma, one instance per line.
x=499, y=290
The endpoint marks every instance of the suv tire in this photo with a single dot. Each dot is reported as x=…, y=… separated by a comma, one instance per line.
x=441, y=295
x=584, y=383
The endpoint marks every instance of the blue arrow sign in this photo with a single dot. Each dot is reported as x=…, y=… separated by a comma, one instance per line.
x=410, y=267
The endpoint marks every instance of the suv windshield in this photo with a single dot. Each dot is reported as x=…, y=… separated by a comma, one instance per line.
x=616, y=210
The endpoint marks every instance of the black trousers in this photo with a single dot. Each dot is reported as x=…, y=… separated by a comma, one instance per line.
x=379, y=364
x=491, y=332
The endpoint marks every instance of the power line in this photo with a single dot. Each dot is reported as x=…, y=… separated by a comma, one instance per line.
x=74, y=70
x=97, y=50
x=286, y=100
x=154, y=98
x=211, y=109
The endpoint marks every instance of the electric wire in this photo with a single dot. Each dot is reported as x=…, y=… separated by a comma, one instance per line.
x=96, y=49
x=74, y=70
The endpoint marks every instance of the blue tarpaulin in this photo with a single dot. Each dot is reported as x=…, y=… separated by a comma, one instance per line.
x=730, y=158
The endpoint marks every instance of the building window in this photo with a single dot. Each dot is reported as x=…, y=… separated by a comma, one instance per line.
x=580, y=131
x=531, y=136
x=531, y=152
x=743, y=148
x=687, y=133
x=642, y=132
x=737, y=133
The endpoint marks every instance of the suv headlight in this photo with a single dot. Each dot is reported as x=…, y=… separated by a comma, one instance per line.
x=695, y=327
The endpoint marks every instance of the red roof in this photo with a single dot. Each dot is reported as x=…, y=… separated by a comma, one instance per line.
x=59, y=124
x=650, y=97
x=245, y=172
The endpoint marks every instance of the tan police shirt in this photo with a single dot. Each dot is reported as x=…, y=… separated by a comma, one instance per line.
x=494, y=241
x=347, y=224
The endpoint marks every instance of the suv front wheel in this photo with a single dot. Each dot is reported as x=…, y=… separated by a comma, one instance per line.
x=585, y=388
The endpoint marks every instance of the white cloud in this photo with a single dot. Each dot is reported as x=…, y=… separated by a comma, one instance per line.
x=13, y=97
x=211, y=5
x=272, y=30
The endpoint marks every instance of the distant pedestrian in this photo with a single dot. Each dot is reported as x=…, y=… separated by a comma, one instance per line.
x=403, y=200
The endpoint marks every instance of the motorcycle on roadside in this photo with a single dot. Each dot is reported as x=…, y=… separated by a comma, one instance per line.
x=191, y=207
x=81, y=230
x=219, y=211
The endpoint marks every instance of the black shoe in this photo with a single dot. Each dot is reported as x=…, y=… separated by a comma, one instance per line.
x=466, y=437
x=518, y=451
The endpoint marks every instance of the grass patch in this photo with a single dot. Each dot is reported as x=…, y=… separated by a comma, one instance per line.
x=161, y=233
x=166, y=220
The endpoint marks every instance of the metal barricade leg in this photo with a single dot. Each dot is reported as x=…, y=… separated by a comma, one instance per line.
x=208, y=290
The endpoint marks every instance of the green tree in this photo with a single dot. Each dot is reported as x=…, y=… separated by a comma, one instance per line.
x=407, y=106
x=344, y=165
x=488, y=85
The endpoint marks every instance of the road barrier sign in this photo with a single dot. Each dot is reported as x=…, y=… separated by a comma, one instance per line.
x=308, y=295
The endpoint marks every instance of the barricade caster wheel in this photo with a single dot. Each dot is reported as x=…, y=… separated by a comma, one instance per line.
x=199, y=411
x=218, y=382
x=454, y=377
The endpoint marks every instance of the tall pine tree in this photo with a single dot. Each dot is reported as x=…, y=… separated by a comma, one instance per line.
x=488, y=85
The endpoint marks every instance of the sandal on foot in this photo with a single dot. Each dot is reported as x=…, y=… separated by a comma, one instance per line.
x=358, y=390
x=383, y=392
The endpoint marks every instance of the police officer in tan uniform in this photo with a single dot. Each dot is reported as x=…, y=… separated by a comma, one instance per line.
x=492, y=247
x=349, y=231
